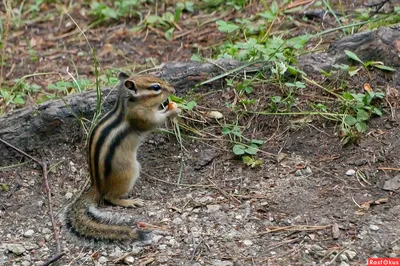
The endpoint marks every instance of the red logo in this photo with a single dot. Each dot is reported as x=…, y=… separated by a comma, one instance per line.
x=384, y=262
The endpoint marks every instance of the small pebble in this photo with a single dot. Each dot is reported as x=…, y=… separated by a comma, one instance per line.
x=29, y=233
x=177, y=221
x=129, y=260
x=156, y=238
x=25, y=263
x=136, y=250
x=102, y=260
x=374, y=227
x=17, y=249
x=68, y=195
x=350, y=254
x=213, y=208
x=343, y=263
x=162, y=259
x=222, y=263
x=248, y=242
x=343, y=257
x=350, y=172
x=298, y=173
x=308, y=170
x=46, y=230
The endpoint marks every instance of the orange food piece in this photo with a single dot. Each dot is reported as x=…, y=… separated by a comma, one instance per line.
x=172, y=106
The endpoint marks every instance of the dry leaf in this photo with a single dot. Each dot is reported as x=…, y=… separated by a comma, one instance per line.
x=366, y=205
x=367, y=87
x=107, y=48
x=215, y=114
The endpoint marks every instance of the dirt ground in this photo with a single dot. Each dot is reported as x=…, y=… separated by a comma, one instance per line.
x=302, y=210
x=303, y=206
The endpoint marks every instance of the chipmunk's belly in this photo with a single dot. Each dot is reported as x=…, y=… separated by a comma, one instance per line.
x=128, y=157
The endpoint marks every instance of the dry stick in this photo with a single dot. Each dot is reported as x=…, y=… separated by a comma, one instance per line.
x=388, y=168
x=194, y=252
x=59, y=253
x=227, y=195
x=295, y=228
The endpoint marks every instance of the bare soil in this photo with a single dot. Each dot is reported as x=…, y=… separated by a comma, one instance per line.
x=298, y=208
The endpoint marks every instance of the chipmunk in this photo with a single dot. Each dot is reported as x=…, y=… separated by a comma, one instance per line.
x=112, y=156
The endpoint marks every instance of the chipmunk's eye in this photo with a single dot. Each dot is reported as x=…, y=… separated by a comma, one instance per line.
x=155, y=87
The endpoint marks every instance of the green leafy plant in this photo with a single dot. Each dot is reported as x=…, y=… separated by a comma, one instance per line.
x=358, y=108
x=118, y=9
x=182, y=103
x=243, y=147
x=376, y=64
x=251, y=161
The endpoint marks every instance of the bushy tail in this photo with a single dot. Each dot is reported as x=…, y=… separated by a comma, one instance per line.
x=85, y=220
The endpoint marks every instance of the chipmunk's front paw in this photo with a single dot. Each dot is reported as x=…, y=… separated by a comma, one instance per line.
x=174, y=113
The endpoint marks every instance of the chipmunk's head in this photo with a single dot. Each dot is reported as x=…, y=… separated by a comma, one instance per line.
x=147, y=90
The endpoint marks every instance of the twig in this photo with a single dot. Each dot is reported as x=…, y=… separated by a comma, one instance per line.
x=53, y=259
x=295, y=228
x=194, y=252
x=355, y=202
x=122, y=257
x=388, y=168
x=59, y=253
x=224, y=192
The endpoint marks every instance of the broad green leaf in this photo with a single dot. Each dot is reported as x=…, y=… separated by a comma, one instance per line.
x=353, y=56
x=168, y=34
x=226, y=27
x=152, y=19
x=385, y=68
x=267, y=15
x=19, y=100
x=350, y=120
x=377, y=111
x=276, y=99
x=225, y=131
x=274, y=7
x=353, y=71
x=257, y=141
x=252, y=149
x=195, y=57
x=238, y=149
x=361, y=127
x=190, y=105
x=362, y=115
x=109, y=12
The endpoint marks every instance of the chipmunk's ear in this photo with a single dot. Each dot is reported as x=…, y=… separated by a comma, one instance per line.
x=122, y=76
x=130, y=85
